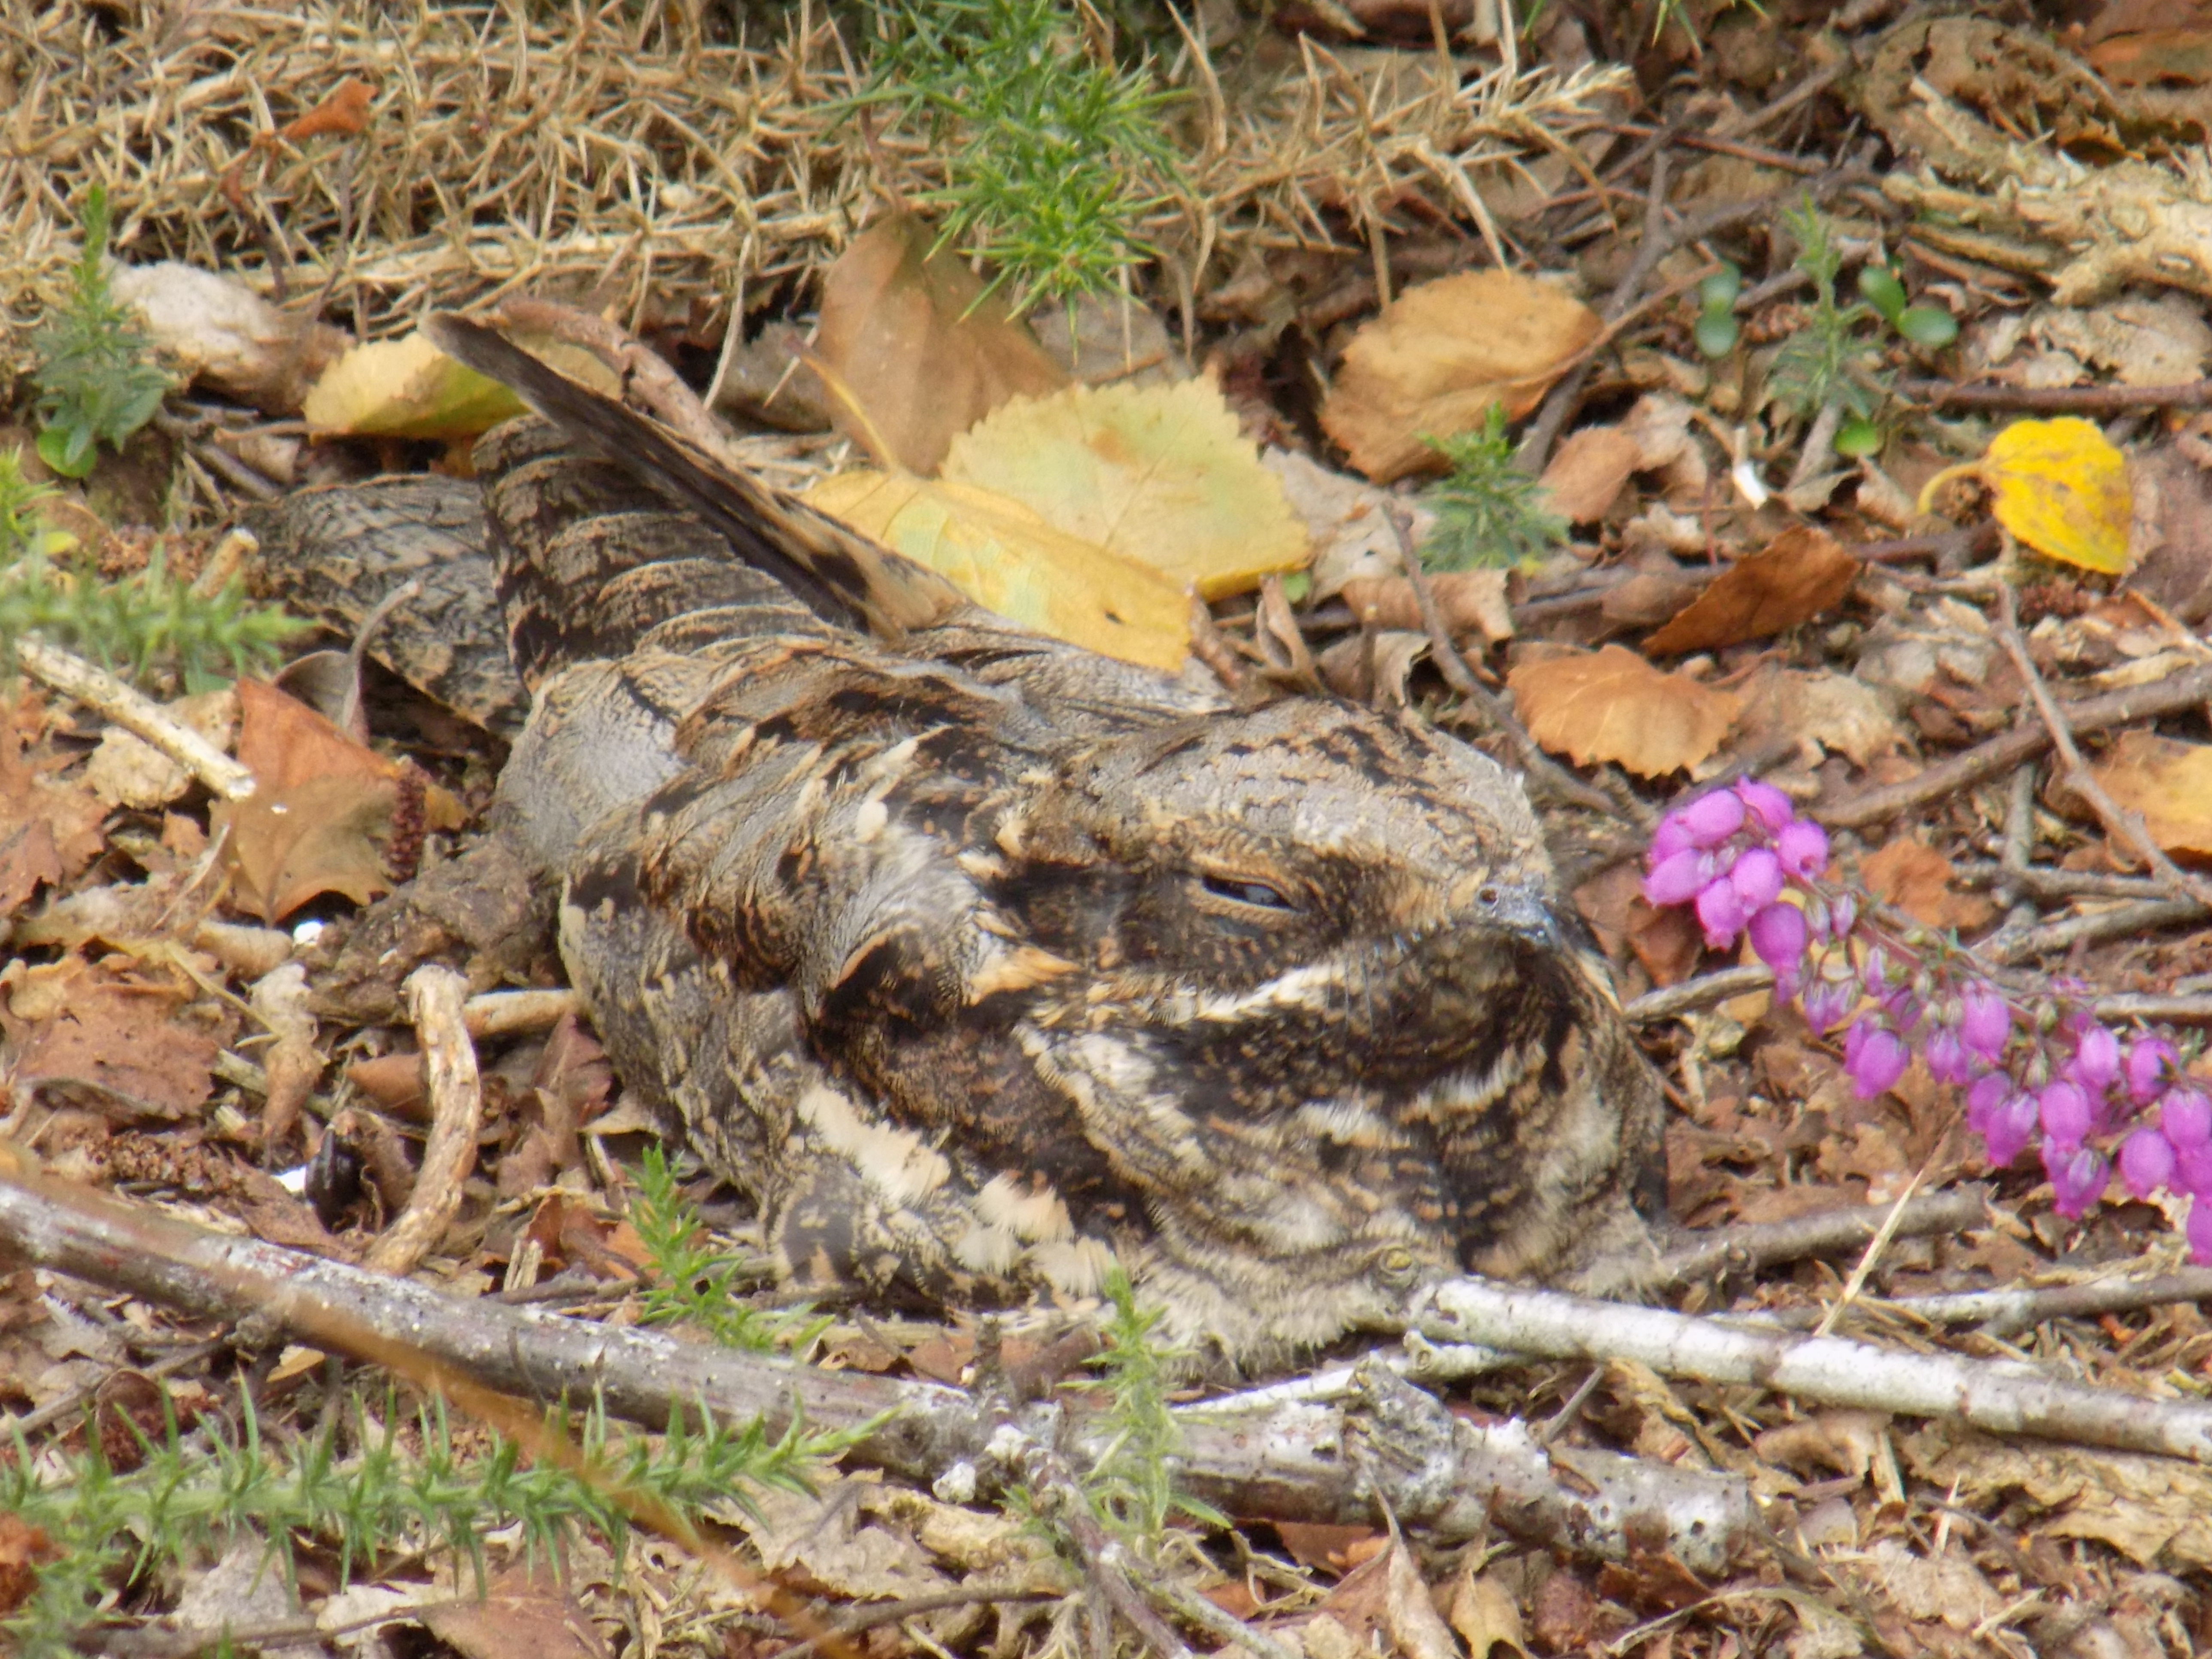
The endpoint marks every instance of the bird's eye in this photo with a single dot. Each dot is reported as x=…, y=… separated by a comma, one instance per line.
x=1257, y=893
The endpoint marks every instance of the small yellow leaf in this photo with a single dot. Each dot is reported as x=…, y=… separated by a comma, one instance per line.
x=1003, y=556
x=408, y=388
x=1612, y=705
x=2169, y=782
x=2059, y=486
x=1160, y=474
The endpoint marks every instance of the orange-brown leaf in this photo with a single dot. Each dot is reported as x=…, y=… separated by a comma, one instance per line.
x=344, y=113
x=1917, y=878
x=1589, y=469
x=1612, y=705
x=73, y=1026
x=2169, y=782
x=1801, y=572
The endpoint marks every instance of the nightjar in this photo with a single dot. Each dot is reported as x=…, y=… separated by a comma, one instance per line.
x=982, y=962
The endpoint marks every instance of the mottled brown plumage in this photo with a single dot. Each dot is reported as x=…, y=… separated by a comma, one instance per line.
x=982, y=962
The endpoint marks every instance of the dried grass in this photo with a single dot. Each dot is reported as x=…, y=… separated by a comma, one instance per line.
x=611, y=152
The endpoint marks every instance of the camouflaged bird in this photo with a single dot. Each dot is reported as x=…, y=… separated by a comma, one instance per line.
x=982, y=962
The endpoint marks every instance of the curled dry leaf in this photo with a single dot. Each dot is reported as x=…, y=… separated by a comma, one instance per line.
x=48, y=831
x=1589, y=469
x=1007, y=559
x=1819, y=710
x=1436, y=359
x=2060, y=486
x=72, y=1026
x=2169, y=782
x=1160, y=474
x=1800, y=573
x=922, y=354
x=1347, y=520
x=1917, y=878
x=1471, y=601
x=1612, y=705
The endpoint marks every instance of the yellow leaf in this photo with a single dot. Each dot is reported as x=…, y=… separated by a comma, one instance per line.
x=1007, y=559
x=1613, y=706
x=2170, y=783
x=1436, y=359
x=2060, y=488
x=408, y=388
x=1160, y=474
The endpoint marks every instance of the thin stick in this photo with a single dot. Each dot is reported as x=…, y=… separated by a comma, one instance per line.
x=2009, y=749
x=1871, y=1255
x=2059, y=400
x=876, y=1614
x=1746, y=1249
x=503, y=1013
x=436, y=997
x=643, y=370
x=1457, y=675
x=2122, y=825
x=107, y=696
x=2001, y=1313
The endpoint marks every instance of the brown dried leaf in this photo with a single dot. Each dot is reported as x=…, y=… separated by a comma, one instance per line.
x=2154, y=1511
x=1484, y=1612
x=1917, y=878
x=1589, y=469
x=904, y=332
x=2169, y=782
x=1416, y=1628
x=1440, y=355
x=525, y=1614
x=1471, y=601
x=23, y=1549
x=1801, y=572
x=1612, y=705
x=71, y=1025
x=48, y=831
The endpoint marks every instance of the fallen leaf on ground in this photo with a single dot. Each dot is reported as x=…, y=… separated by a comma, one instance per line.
x=1484, y=1612
x=1914, y=877
x=922, y=354
x=1436, y=359
x=1589, y=469
x=1007, y=559
x=1819, y=709
x=48, y=831
x=126, y=770
x=1612, y=705
x=2157, y=1511
x=1800, y=573
x=525, y=1614
x=2060, y=486
x=1159, y=474
x=2144, y=340
x=1347, y=520
x=76, y=1029
x=342, y=113
x=1417, y=1629
x=2169, y=782
x=1470, y=601
x=405, y=388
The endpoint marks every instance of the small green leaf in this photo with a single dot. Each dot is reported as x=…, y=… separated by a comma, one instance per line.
x=1717, y=333
x=1858, y=437
x=1881, y=290
x=1296, y=585
x=66, y=450
x=1718, y=291
x=1930, y=326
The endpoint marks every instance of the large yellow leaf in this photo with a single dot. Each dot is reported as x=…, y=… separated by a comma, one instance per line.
x=2169, y=782
x=2059, y=486
x=1160, y=474
x=408, y=388
x=1436, y=359
x=1007, y=559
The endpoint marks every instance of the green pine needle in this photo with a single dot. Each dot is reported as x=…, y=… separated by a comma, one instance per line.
x=97, y=380
x=1491, y=515
x=694, y=1283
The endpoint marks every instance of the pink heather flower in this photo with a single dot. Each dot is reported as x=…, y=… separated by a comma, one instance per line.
x=2186, y=1117
x=1672, y=836
x=1767, y=803
x=1985, y=1023
x=1676, y=878
x=2147, y=1162
x=1874, y=972
x=1946, y=1056
x=2198, y=1230
x=1827, y=1003
x=2192, y=1170
x=1802, y=846
x=1757, y=877
x=1881, y=1060
x=1720, y=912
x=2096, y=1062
x=1843, y=914
x=2150, y=1061
x=2077, y=1176
x=1987, y=1093
x=2064, y=1110
x=1778, y=934
x=2011, y=1126
x=1711, y=819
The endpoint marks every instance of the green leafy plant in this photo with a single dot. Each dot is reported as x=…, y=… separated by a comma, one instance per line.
x=96, y=377
x=137, y=622
x=1132, y=1484
x=1053, y=155
x=1829, y=361
x=205, y=1489
x=694, y=1283
x=1490, y=514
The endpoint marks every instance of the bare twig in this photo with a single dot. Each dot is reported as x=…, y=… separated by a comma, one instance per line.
x=1746, y=1250
x=2122, y=921
x=1564, y=784
x=2007, y=749
x=2001, y=1397
x=644, y=371
x=503, y=1013
x=2059, y=400
x=2126, y=827
x=2001, y=1313
x=436, y=996
x=105, y=695
x=874, y=1615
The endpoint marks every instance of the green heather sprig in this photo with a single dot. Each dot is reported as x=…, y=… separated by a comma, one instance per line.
x=1053, y=155
x=1490, y=514
x=1132, y=1484
x=132, y=624
x=696, y=1283
x=97, y=379
x=203, y=1490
